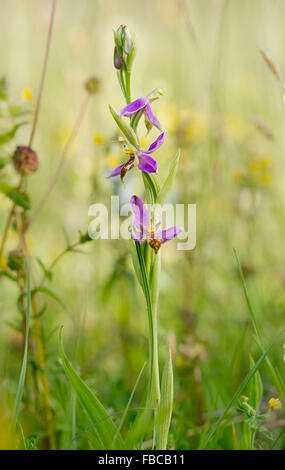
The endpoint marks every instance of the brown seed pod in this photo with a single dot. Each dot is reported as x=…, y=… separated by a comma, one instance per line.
x=25, y=160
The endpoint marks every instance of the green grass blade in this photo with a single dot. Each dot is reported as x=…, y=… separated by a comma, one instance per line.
x=49, y=292
x=105, y=427
x=146, y=290
x=166, y=405
x=255, y=387
x=275, y=375
x=21, y=383
x=241, y=388
x=128, y=405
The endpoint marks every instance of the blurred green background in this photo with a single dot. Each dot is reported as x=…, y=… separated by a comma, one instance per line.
x=224, y=109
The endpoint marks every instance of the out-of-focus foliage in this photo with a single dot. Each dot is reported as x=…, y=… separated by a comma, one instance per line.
x=224, y=110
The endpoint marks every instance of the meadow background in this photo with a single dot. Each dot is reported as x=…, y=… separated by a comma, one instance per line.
x=224, y=109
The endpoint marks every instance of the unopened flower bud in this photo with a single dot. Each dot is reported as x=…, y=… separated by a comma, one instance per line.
x=118, y=37
x=92, y=85
x=117, y=61
x=16, y=260
x=25, y=160
x=128, y=42
x=124, y=40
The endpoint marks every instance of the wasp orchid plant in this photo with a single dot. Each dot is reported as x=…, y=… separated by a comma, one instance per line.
x=147, y=236
x=151, y=425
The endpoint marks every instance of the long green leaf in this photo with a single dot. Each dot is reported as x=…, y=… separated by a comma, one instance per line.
x=241, y=388
x=53, y=295
x=4, y=138
x=255, y=387
x=21, y=383
x=126, y=130
x=104, y=426
x=163, y=193
x=146, y=290
x=275, y=375
x=18, y=197
x=128, y=404
x=166, y=405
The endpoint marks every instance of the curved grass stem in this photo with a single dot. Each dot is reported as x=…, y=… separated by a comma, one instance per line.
x=58, y=171
x=44, y=70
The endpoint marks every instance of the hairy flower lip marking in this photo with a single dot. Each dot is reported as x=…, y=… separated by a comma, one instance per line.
x=147, y=232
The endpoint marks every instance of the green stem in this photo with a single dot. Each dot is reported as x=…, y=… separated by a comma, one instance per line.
x=150, y=271
x=128, y=86
x=146, y=289
x=154, y=289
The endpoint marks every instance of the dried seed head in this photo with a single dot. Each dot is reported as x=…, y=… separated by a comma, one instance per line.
x=16, y=260
x=271, y=65
x=92, y=85
x=25, y=160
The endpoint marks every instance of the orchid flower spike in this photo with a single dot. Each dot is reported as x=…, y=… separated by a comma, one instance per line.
x=141, y=103
x=144, y=160
x=154, y=236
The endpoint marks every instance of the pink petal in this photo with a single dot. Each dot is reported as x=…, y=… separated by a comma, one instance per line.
x=157, y=143
x=138, y=236
x=169, y=234
x=116, y=171
x=151, y=117
x=147, y=163
x=141, y=214
x=133, y=107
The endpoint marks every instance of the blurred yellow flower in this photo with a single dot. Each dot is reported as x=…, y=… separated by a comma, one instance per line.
x=235, y=127
x=180, y=362
x=112, y=159
x=98, y=139
x=265, y=161
x=197, y=126
x=6, y=438
x=189, y=123
x=266, y=179
x=3, y=262
x=254, y=167
x=274, y=404
x=62, y=135
x=27, y=94
x=239, y=176
x=261, y=164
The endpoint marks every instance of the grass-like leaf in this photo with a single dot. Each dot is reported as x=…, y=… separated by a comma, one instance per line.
x=125, y=128
x=273, y=371
x=166, y=187
x=103, y=424
x=128, y=404
x=166, y=405
x=21, y=383
x=241, y=388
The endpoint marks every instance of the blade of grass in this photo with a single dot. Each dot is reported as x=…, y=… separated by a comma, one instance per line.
x=274, y=373
x=21, y=383
x=166, y=405
x=241, y=388
x=96, y=412
x=128, y=405
x=146, y=291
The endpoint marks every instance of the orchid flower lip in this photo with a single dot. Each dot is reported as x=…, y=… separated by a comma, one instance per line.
x=145, y=161
x=147, y=233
